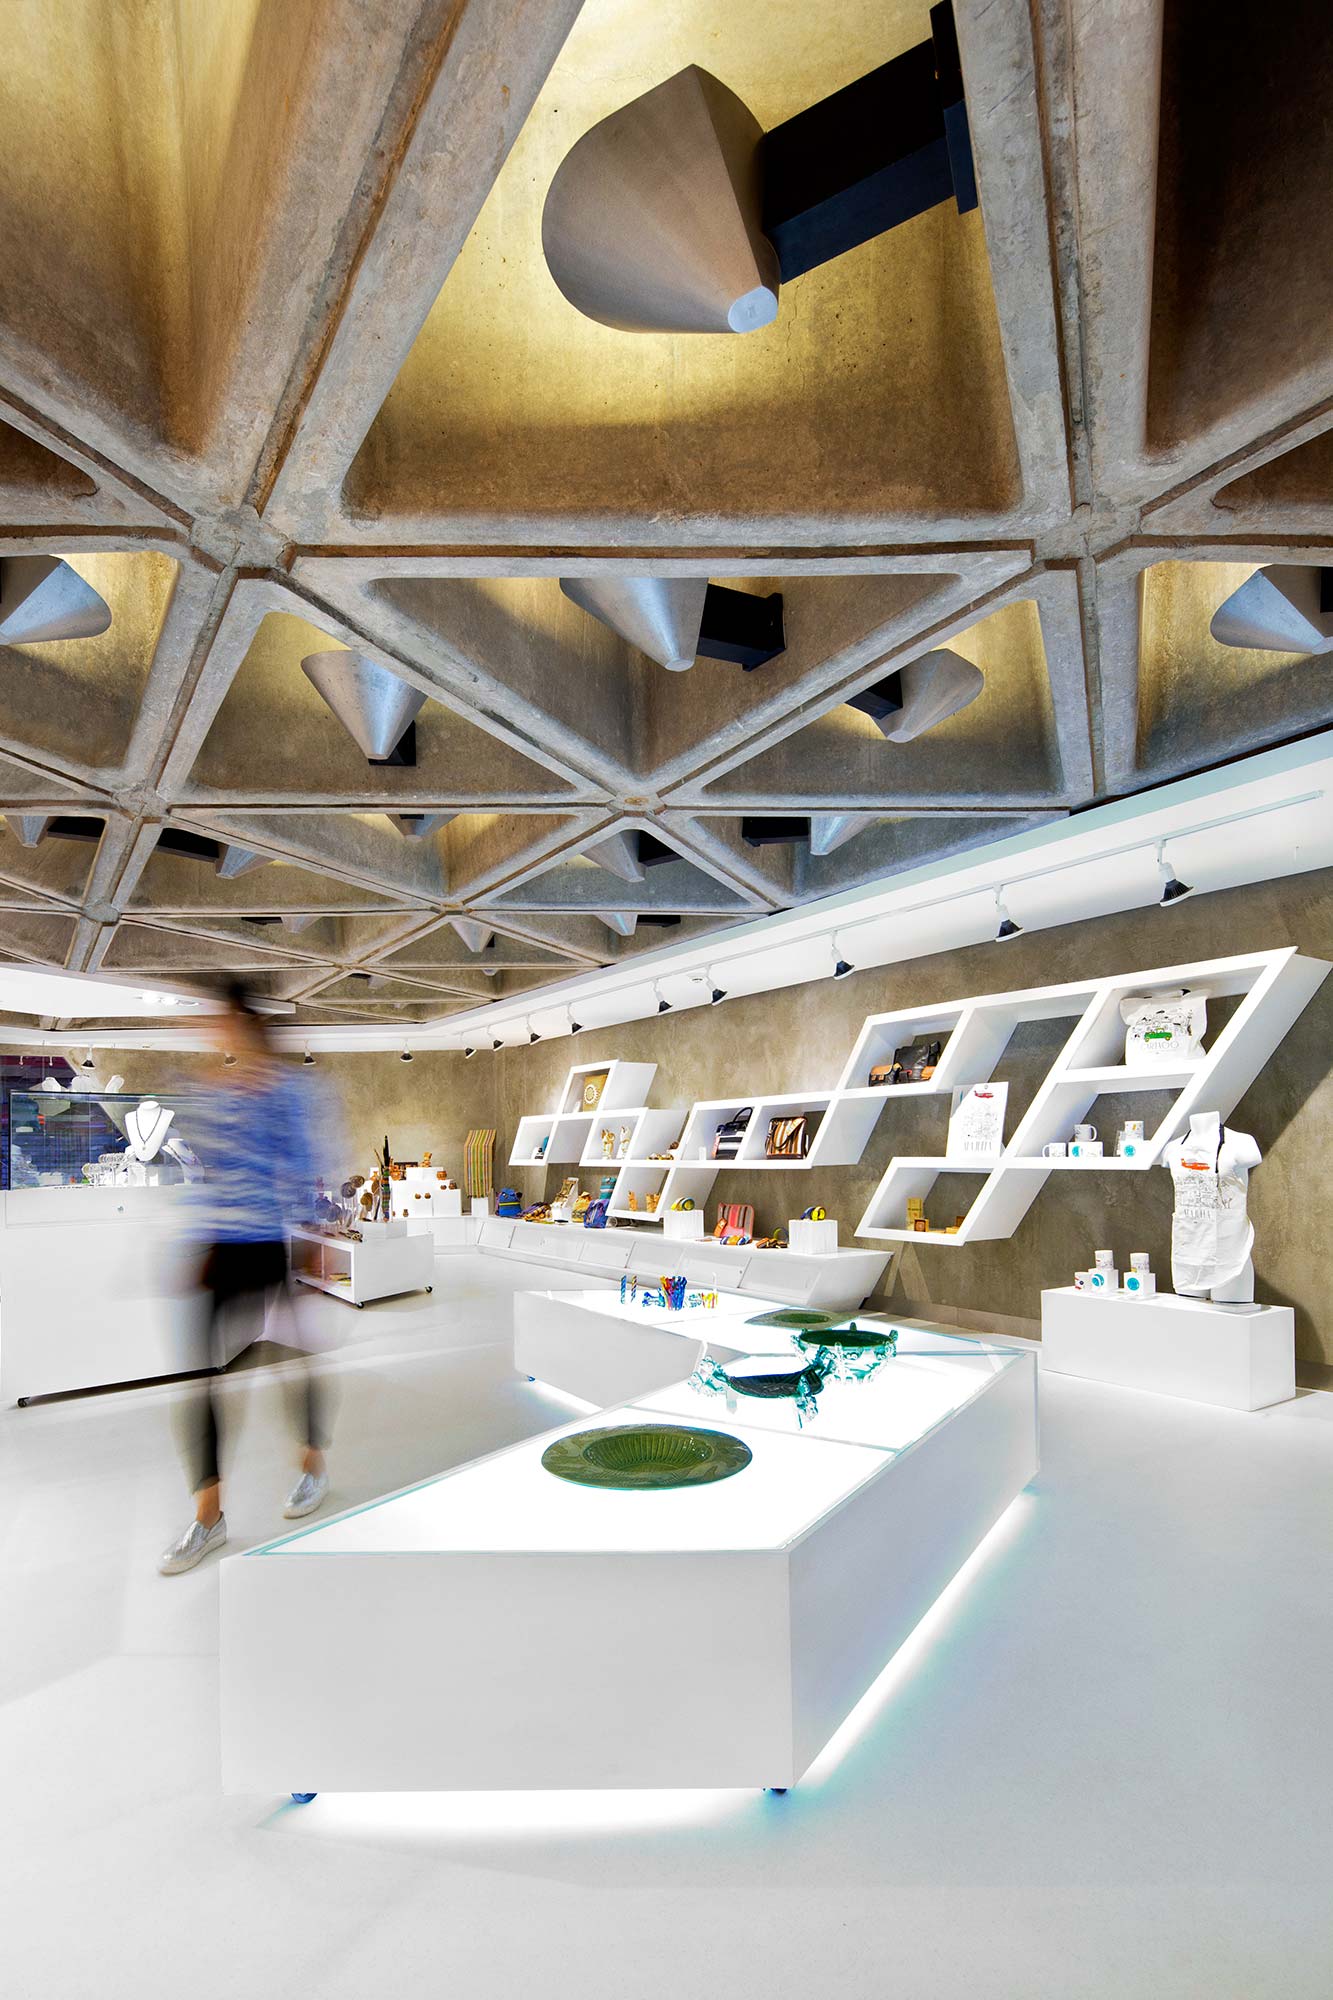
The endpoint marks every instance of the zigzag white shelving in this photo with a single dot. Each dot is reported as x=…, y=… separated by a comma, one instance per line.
x=1271, y=989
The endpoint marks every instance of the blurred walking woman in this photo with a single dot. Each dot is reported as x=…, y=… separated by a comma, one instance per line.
x=258, y=1146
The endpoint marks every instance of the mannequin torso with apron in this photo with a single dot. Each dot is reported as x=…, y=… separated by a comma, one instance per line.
x=1211, y=1232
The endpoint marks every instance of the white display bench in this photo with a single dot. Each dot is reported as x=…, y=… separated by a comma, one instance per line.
x=499, y=1628
x=838, y=1280
x=1242, y=1357
x=386, y=1263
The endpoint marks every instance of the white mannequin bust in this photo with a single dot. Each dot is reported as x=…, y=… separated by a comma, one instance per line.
x=1211, y=1232
x=146, y=1125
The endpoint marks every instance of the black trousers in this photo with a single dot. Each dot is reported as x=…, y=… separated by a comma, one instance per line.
x=239, y=1279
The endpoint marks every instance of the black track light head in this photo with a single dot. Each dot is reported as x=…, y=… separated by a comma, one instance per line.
x=1172, y=889
x=229, y=1062
x=89, y=1061
x=717, y=995
x=468, y=1054
x=576, y=1027
x=664, y=1006
x=1006, y=927
x=307, y=1060
x=842, y=968
x=497, y=1044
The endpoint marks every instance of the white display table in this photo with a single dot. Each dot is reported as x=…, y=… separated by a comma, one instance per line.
x=1243, y=1357
x=837, y=1280
x=379, y=1267
x=590, y=1345
x=498, y=1627
x=97, y=1286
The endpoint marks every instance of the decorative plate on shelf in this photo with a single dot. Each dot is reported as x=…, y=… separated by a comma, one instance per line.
x=643, y=1458
x=798, y=1319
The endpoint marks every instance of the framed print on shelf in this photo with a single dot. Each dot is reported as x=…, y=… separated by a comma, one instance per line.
x=976, y=1122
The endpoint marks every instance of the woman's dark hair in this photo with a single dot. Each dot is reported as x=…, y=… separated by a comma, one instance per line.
x=240, y=1002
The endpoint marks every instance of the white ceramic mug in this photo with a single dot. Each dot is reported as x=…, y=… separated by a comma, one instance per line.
x=1055, y=1151
x=1085, y=1131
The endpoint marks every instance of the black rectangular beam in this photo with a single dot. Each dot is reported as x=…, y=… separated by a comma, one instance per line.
x=740, y=627
x=885, y=698
x=874, y=154
x=773, y=830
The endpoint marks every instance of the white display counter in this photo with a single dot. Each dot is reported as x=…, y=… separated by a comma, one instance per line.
x=836, y=1280
x=1242, y=1357
x=96, y=1287
x=498, y=1627
x=389, y=1260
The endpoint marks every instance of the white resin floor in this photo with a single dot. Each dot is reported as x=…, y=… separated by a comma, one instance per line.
x=1105, y=1769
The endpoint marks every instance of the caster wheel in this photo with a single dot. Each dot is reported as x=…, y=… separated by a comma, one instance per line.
x=776, y=1791
x=23, y=1402
x=430, y=1288
x=360, y=1305
x=532, y=1378
x=303, y=1798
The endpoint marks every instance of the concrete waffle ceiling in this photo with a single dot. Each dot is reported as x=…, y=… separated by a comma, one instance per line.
x=282, y=371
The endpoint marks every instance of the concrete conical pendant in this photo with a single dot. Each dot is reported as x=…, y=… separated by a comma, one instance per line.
x=652, y=223
x=42, y=598
x=622, y=922
x=301, y=920
x=416, y=826
x=831, y=830
x=474, y=935
x=934, y=687
x=660, y=615
x=27, y=828
x=619, y=855
x=234, y=861
x=373, y=705
x=1277, y=611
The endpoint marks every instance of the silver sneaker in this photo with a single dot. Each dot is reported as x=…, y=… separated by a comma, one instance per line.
x=307, y=1494
x=191, y=1547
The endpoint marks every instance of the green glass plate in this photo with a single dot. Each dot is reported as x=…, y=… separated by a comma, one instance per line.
x=798, y=1319
x=644, y=1458
x=849, y=1336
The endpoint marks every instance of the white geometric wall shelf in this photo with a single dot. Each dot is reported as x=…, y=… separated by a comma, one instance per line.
x=1271, y=989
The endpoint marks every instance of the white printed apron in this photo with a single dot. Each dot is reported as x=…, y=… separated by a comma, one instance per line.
x=1211, y=1233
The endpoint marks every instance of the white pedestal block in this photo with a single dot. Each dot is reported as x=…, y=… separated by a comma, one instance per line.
x=813, y=1239
x=1243, y=1357
x=481, y=1204
x=683, y=1225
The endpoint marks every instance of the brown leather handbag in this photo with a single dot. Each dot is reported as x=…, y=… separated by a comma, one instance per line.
x=788, y=1138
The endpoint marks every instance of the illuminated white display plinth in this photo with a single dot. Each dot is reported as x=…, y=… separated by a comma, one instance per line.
x=499, y=1628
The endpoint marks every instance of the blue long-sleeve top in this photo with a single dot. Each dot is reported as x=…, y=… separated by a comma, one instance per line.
x=261, y=1150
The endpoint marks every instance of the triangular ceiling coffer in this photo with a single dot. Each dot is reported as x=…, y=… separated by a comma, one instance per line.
x=373, y=705
x=42, y=598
